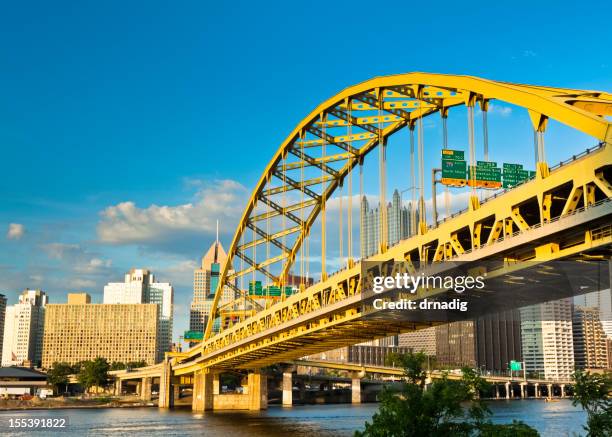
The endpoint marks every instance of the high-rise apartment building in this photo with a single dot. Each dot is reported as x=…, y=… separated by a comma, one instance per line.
x=547, y=340
x=590, y=349
x=23, y=329
x=83, y=331
x=602, y=300
x=205, y=282
x=398, y=224
x=139, y=286
x=2, y=317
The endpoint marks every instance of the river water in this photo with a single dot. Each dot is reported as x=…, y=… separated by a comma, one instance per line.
x=550, y=419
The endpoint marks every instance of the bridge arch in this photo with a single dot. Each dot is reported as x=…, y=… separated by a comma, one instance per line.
x=387, y=104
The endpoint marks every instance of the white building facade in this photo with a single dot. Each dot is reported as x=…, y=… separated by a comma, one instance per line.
x=23, y=329
x=547, y=339
x=139, y=286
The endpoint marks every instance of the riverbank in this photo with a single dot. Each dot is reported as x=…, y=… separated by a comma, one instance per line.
x=72, y=403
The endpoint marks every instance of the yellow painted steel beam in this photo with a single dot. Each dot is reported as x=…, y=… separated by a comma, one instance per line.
x=323, y=159
x=270, y=237
x=306, y=183
x=284, y=210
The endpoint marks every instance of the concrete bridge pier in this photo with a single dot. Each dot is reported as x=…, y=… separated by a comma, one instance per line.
x=118, y=386
x=165, y=389
x=550, y=391
x=145, y=389
x=537, y=390
x=216, y=383
x=356, y=387
x=562, y=390
x=258, y=390
x=523, y=390
x=288, y=386
x=508, y=387
x=203, y=398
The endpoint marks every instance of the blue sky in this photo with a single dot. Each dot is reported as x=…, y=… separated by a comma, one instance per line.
x=128, y=128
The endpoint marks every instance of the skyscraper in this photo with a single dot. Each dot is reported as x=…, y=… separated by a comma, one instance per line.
x=602, y=300
x=205, y=282
x=590, y=349
x=23, y=329
x=139, y=286
x=398, y=224
x=546, y=334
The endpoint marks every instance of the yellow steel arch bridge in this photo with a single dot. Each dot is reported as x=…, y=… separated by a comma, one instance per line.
x=563, y=213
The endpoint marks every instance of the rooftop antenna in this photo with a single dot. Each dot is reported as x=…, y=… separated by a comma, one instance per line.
x=217, y=242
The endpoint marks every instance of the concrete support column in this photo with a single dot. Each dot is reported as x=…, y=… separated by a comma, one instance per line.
x=164, y=386
x=507, y=390
x=356, y=387
x=118, y=386
x=202, y=391
x=496, y=391
x=537, y=390
x=523, y=391
x=287, y=388
x=176, y=393
x=562, y=390
x=258, y=391
x=139, y=388
x=216, y=383
x=550, y=392
x=145, y=389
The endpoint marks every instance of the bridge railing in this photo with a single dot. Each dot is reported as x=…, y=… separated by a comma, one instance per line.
x=505, y=190
x=538, y=225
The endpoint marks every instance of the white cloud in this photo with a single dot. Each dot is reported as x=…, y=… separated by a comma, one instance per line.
x=503, y=111
x=82, y=283
x=495, y=109
x=15, y=231
x=60, y=251
x=78, y=258
x=126, y=223
x=36, y=278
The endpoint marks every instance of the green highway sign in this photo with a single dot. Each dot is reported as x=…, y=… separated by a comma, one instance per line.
x=193, y=335
x=510, y=167
x=516, y=366
x=453, y=169
x=485, y=173
x=453, y=155
x=486, y=164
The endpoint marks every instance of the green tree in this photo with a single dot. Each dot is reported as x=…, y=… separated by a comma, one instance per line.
x=94, y=373
x=592, y=392
x=76, y=367
x=117, y=365
x=424, y=408
x=57, y=376
x=136, y=364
